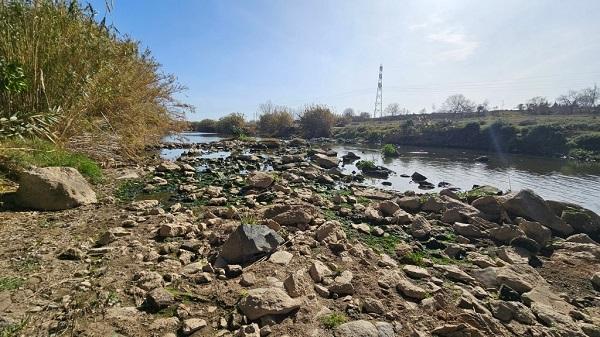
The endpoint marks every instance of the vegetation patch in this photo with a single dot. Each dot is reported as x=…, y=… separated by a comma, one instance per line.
x=10, y=283
x=365, y=165
x=16, y=155
x=390, y=151
x=13, y=330
x=333, y=320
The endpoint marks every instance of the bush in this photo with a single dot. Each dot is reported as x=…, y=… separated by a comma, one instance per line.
x=19, y=154
x=389, y=150
x=205, y=125
x=80, y=76
x=590, y=142
x=317, y=121
x=365, y=165
x=333, y=320
x=276, y=123
x=232, y=124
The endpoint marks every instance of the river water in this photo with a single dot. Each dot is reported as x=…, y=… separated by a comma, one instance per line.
x=552, y=178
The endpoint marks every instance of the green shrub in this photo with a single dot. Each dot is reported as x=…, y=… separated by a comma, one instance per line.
x=232, y=124
x=317, y=121
x=589, y=141
x=389, y=150
x=333, y=320
x=21, y=154
x=365, y=164
x=205, y=125
x=276, y=123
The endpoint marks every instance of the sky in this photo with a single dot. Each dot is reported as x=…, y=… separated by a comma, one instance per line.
x=233, y=55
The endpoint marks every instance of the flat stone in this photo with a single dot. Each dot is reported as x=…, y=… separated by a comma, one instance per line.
x=281, y=257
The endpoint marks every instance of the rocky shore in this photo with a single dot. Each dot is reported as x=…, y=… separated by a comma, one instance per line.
x=271, y=238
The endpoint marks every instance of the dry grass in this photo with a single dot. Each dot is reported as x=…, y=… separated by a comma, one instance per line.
x=85, y=73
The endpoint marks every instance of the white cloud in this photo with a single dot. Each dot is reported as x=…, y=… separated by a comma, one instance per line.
x=458, y=46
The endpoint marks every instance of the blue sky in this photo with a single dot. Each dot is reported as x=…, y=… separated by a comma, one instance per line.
x=233, y=54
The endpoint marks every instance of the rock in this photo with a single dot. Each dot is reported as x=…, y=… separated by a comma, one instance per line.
x=535, y=231
x=281, y=257
x=385, y=329
x=192, y=325
x=596, y=280
x=489, y=206
x=468, y=230
x=142, y=205
x=71, y=253
x=297, y=284
x=581, y=219
x=324, y=161
x=350, y=156
x=418, y=177
x=318, y=270
x=401, y=217
x=527, y=204
x=371, y=305
x=331, y=230
x=158, y=299
x=388, y=208
x=415, y=271
x=148, y=280
x=359, y=328
x=409, y=203
x=248, y=279
x=411, y=290
x=581, y=238
x=507, y=311
x=362, y=227
x=252, y=330
x=420, y=227
x=506, y=233
x=259, y=180
x=454, y=273
x=250, y=242
x=233, y=270
x=167, y=166
x=294, y=217
x=342, y=285
x=171, y=230
x=526, y=243
x=53, y=189
x=267, y=301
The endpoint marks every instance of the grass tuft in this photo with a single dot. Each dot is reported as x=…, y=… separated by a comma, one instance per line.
x=10, y=283
x=333, y=320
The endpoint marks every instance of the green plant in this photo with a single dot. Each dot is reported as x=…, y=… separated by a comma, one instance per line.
x=333, y=320
x=389, y=150
x=12, y=330
x=365, y=165
x=10, y=283
x=21, y=154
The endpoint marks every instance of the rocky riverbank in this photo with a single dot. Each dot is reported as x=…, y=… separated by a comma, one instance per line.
x=270, y=238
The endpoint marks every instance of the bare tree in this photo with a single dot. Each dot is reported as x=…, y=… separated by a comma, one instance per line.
x=393, y=109
x=348, y=113
x=538, y=105
x=458, y=104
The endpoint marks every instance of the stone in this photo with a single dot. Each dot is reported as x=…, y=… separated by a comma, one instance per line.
x=581, y=238
x=454, y=273
x=401, y=217
x=388, y=207
x=416, y=271
x=251, y=330
x=385, y=329
x=359, y=328
x=529, y=205
x=342, y=284
x=535, y=231
x=248, y=279
x=318, y=270
x=409, y=203
x=281, y=257
x=259, y=180
x=416, y=176
x=325, y=161
x=297, y=284
x=168, y=166
x=596, y=280
x=330, y=230
x=294, y=217
x=581, y=219
x=362, y=227
x=158, y=299
x=170, y=230
x=148, y=280
x=505, y=233
x=489, y=206
x=267, y=301
x=142, y=205
x=53, y=189
x=420, y=227
x=468, y=230
x=371, y=305
x=408, y=289
x=250, y=242
x=71, y=253
x=192, y=325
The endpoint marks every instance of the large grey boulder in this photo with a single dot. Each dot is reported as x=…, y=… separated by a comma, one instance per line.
x=359, y=328
x=250, y=242
x=267, y=301
x=53, y=189
x=529, y=205
x=259, y=180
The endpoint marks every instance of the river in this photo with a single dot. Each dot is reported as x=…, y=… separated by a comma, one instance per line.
x=552, y=178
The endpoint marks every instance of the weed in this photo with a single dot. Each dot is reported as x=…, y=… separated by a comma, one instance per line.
x=10, y=283
x=389, y=150
x=365, y=165
x=12, y=330
x=333, y=320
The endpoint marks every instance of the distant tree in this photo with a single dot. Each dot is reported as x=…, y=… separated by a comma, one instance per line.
x=538, y=105
x=458, y=104
x=348, y=113
x=266, y=108
x=586, y=98
x=364, y=116
x=423, y=111
x=232, y=124
x=521, y=107
x=393, y=109
x=483, y=108
x=278, y=123
x=317, y=121
x=205, y=125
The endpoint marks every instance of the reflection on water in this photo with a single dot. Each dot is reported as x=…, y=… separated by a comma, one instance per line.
x=551, y=178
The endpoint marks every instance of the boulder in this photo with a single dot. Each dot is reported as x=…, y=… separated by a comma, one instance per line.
x=536, y=231
x=416, y=176
x=388, y=208
x=250, y=242
x=420, y=227
x=158, y=299
x=359, y=328
x=408, y=289
x=53, y=189
x=325, y=161
x=529, y=205
x=259, y=180
x=267, y=301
